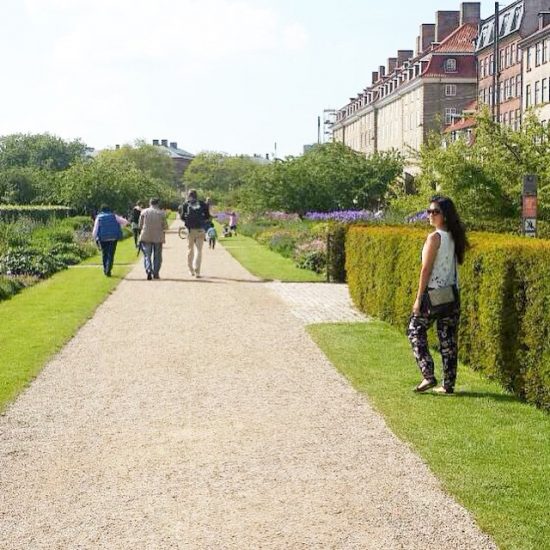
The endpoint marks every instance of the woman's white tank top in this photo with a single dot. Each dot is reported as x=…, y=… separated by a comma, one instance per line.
x=444, y=268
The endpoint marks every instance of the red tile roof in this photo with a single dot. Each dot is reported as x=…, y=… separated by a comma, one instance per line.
x=460, y=41
x=461, y=125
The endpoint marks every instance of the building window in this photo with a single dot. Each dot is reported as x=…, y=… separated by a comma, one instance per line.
x=527, y=96
x=545, y=51
x=501, y=59
x=512, y=86
x=536, y=98
x=505, y=119
x=449, y=114
x=450, y=65
x=518, y=85
x=544, y=91
x=538, y=53
x=450, y=90
x=508, y=63
x=528, y=61
x=506, y=90
x=513, y=54
x=491, y=64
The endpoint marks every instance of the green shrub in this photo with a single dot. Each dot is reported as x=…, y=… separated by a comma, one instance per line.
x=29, y=261
x=311, y=255
x=505, y=293
x=10, y=286
x=10, y=212
x=336, y=252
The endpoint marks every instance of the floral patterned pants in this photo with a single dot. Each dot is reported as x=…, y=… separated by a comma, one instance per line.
x=447, y=328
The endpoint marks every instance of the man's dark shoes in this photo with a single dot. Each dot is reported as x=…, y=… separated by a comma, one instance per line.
x=425, y=385
x=156, y=277
x=149, y=276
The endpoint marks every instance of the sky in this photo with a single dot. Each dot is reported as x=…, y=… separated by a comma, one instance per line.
x=236, y=76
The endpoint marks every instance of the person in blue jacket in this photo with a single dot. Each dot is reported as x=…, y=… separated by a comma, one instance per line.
x=107, y=232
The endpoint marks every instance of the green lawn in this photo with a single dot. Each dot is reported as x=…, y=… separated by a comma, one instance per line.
x=36, y=323
x=489, y=450
x=265, y=263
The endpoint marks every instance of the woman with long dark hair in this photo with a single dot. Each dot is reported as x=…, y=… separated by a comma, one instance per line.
x=437, y=298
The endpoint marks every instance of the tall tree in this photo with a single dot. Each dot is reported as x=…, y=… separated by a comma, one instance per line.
x=42, y=151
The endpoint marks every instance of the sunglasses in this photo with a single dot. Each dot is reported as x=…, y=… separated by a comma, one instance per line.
x=433, y=211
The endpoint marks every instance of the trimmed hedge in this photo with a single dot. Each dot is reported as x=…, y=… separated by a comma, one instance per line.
x=41, y=213
x=505, y=293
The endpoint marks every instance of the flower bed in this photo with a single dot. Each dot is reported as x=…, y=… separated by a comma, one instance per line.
x=31, y=250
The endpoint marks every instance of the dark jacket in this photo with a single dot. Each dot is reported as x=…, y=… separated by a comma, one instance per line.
x=195, y=214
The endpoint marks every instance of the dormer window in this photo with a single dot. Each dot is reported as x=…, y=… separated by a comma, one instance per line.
x=450, y=65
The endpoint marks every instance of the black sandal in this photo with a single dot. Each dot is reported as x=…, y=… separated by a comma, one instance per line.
x=425, y=385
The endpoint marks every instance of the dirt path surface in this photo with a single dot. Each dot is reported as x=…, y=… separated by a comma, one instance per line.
x=198, y=414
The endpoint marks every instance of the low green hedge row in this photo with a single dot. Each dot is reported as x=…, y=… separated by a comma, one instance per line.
x=505, y=293
x=336, y=255
x=39, y=213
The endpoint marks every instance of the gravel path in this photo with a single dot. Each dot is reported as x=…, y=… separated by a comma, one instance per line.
x=198, y=414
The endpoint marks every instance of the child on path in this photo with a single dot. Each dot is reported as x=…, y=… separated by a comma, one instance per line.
x=212, y=235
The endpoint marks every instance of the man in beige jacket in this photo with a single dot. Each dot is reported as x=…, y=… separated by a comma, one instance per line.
x=152, y=225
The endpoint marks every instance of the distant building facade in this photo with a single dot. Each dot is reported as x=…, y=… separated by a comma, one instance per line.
x=504, y=95
x=180, y=158
x=536, y=69
x=415, y=93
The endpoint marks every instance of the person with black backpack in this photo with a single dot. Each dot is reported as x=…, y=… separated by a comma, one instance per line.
x=195, y=215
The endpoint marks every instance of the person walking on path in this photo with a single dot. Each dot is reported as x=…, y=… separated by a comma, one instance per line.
x=233, y=222
x=134, y=219
x=212, y=235
x=441, y=252
x=107, y=232
x=153, y=224
x=195, y=215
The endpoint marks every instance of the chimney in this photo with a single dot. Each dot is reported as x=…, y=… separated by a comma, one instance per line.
x=174, y=144
x=445, y=23
x=374, y=77
x=156, y=142
x=427, y=36
x=544, y=19
x=470, y=12
x=381, y=71
x=164, y=142
x=117, y=147
x=392, y=64
x=403, y=55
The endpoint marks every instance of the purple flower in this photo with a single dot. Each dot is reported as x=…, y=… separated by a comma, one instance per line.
x=344, y=216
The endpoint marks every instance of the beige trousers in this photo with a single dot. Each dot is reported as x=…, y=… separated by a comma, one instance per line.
x=195, y=241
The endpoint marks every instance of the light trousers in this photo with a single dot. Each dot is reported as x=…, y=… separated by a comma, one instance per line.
x=195, y=242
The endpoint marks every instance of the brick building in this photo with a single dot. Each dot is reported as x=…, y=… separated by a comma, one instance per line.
x=536, y=69
x=500, y=77
x=415, y=92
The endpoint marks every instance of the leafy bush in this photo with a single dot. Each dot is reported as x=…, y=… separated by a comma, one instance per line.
x=10, y=286
x=505, y=294
x=311, y=255
x=41, y=213
x=29, y=261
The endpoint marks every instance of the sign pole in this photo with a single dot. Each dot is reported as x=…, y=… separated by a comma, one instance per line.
x=529, y=210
